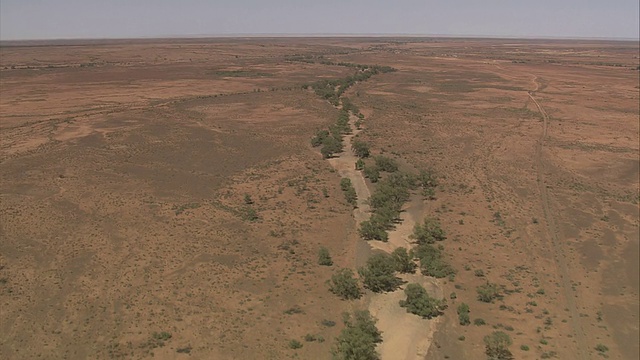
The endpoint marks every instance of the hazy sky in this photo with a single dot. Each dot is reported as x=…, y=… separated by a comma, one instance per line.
x=51, y=19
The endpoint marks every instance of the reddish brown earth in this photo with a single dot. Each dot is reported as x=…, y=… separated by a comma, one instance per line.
x=124, y=167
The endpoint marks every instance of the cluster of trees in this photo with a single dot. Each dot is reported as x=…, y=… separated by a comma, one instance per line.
x=379, y=274
x=333, y=89
x=349, y=192
x=381, y=163
x=432, y=262
x=386, y=204
x=358, y=339
x=420, y=303
x=331, y=140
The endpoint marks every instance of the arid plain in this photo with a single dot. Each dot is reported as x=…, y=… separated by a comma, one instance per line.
x=161, y=198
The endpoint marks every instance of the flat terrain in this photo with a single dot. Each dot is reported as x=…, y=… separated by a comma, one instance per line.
x=160, y=187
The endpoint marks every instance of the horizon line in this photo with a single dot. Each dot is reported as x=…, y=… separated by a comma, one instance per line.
x=329, y=35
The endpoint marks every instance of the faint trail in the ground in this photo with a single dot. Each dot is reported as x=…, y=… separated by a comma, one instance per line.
x=559, y=254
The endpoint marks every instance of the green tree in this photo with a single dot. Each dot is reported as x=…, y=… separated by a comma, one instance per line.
x=379, y=274
x=420, y=303
x=373, y=229
x=360, y=164
x=403, y=261
x=361, y=149
x=428, y=232
x=358, y=339
x=330, y=146
x=324, y=258
x=345, y=285
x=497, y=346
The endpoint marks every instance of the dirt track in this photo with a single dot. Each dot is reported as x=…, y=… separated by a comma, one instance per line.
x=559, y=254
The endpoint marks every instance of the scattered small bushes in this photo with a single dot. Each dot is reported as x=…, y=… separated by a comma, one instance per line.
x=345, y=285
x=463, y=314
x=488, y=292
x=324, y=258
x=379, y=274
x=420, y=303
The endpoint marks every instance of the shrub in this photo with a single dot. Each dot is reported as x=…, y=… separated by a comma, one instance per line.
x=295, y=344
x=361, y=149
x=479, y=273
x=386, y=164
x=601, y=348
x=328, y=323
x=403, y=261
x=497, y=346
x=479, y=322
x=247, y=199
x=420, y=303
x=359, y=164
x=524, y=347
x=379, y=273
x=250, y=214
x=488, y=292
x=324, y=258
x=345, y=285
x=358, y=339
x=428, y=232
x=463, y=314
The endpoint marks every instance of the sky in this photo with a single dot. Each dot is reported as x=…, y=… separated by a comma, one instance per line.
x=72, y=19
